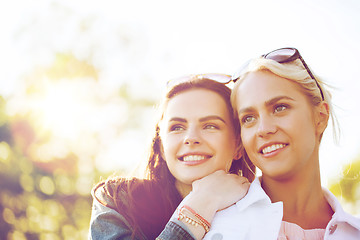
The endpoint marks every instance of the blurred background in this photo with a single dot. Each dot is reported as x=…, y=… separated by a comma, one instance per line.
x=80, y=81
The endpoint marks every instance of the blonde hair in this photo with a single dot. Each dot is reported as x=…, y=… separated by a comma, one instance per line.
x=293, y=71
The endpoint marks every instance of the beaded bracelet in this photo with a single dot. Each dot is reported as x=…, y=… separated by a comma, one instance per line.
x=195, y=222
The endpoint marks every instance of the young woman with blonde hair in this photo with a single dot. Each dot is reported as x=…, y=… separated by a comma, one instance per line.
x=283, y=111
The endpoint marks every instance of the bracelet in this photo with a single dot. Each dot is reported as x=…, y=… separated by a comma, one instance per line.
x=197, y=215
x=195, y=222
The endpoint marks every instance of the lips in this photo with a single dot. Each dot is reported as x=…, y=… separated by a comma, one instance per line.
x=269, y=148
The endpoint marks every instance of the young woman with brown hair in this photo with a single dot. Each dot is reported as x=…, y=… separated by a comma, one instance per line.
x=195, y=149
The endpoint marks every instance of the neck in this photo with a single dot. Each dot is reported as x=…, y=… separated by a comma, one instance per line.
x=302, y=196
x=183, y=189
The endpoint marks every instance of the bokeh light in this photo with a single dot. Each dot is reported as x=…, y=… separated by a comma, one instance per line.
x=80, y=82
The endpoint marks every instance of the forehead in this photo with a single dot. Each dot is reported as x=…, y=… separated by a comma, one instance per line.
x=262, y=86
x=196, y=102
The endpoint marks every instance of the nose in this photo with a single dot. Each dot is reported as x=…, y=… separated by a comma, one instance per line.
x=190, y=141
x=266, y=127
x=192, y=137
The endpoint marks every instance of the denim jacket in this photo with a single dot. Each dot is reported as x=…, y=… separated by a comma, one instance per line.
x=107, y=223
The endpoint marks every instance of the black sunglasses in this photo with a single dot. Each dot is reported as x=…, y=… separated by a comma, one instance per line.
x=283, y=55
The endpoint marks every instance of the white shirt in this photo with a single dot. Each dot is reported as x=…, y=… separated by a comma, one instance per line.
x=256, y=217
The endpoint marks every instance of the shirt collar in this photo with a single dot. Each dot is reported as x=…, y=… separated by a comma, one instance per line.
x=339, y=214
x=255, y=194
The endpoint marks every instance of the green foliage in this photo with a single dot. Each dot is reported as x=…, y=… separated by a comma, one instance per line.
x=33, y=205
x=67, y=66
x=46, y=180
x=347, y=187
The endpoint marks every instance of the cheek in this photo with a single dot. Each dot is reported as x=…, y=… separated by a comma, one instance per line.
x=246, y=137
x=304, y=126
x=225, y=142
x=166, y=145
x=169, y=146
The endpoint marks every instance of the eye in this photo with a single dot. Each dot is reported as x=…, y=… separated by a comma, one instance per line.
x=211, y=126
x=176, y=128
x=280, y=108
x=247, y=119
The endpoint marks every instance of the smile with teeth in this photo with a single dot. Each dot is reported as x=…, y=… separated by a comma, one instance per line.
x=190, y=158
x=272, y=148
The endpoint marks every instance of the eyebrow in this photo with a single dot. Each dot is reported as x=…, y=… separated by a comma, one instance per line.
x=204, y=119
x=267, y=103
x=177, y=119
x=212, y=117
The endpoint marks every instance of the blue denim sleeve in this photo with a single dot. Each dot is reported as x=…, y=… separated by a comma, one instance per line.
x=175, y=229
x=106, y=223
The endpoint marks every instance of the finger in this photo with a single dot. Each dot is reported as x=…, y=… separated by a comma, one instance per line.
x=246, y=181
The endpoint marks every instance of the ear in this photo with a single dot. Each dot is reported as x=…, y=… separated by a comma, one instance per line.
x=322, y=117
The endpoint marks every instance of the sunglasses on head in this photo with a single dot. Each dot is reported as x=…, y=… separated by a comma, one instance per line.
x=283, y=55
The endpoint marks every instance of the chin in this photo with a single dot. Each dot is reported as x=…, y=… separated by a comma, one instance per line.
x=279, y=176
x=190, y=179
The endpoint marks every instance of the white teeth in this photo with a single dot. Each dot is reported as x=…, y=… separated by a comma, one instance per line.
x=272, y=148
x=193, y=158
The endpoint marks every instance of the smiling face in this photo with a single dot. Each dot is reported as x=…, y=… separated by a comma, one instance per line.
x=197, y=135
x=279, y=126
